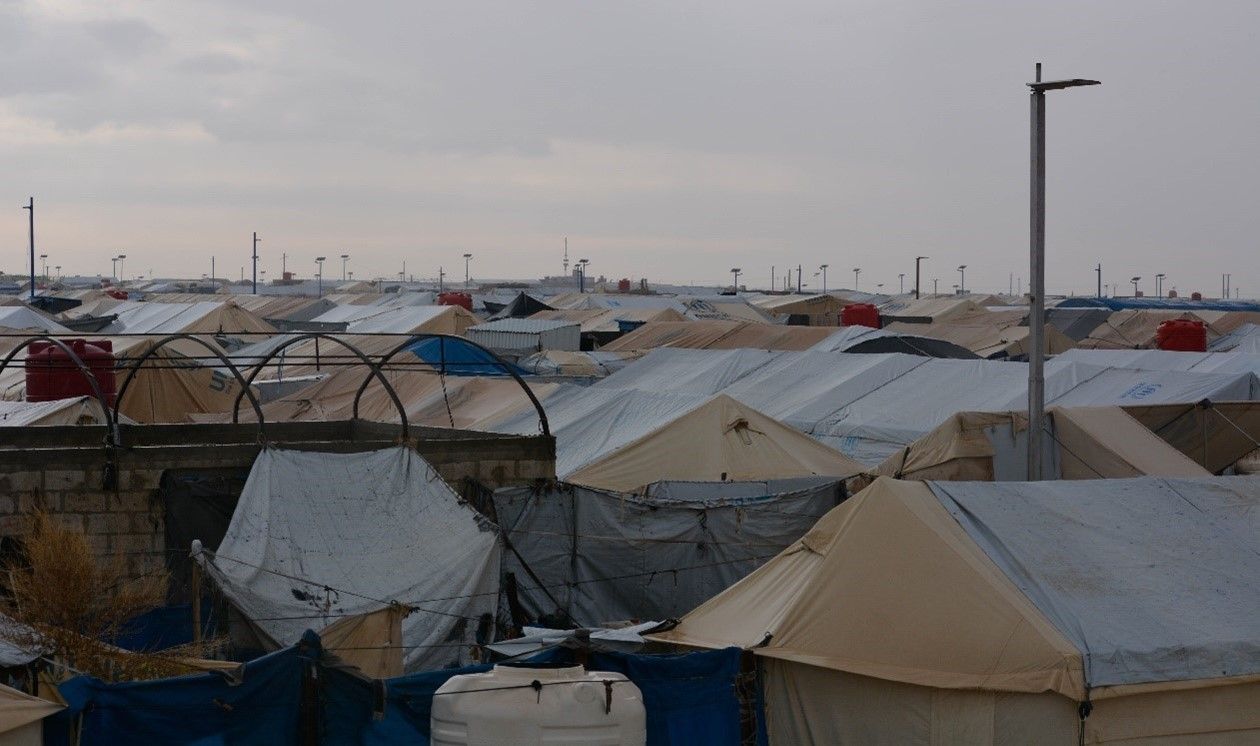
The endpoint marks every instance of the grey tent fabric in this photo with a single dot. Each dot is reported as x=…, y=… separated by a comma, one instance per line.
x=1153, y=580
x=605, y=556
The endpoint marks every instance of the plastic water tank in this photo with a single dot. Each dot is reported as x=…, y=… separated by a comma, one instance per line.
x=623, y=285
x=860, y=314
x=455, y=299
x=1182, y=335
x=51, y=374
x=518, y=705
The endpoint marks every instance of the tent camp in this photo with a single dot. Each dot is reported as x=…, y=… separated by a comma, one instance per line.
x=993, y=336
x=806, y=310
x=1106, y=611
x=601, y=556
x=720, y=335
x=1082, y=443
x=721, y=440
x=203, y=317
x=317, y=537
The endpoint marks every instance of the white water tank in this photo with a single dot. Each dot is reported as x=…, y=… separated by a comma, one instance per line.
x=535, y=706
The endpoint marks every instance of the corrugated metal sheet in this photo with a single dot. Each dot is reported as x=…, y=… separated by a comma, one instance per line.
x=527, y=335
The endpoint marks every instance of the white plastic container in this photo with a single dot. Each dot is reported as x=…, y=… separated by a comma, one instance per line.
x=537, y=706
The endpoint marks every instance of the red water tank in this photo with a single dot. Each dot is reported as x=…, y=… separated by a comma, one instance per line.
x=623, y=285
x=51, y=374
x=117, y=294
x=455, y=299
x=860, y=314
x=1196, y=295
x=1182, y=335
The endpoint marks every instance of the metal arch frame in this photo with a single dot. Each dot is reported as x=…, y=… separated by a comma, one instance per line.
x=543, y=425
x=374, y=370
x=240, y=380
x=111, y=418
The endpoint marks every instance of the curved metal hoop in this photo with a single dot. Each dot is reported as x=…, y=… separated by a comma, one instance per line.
x=543, y=425
x=374, y=370
x=245, y=391
x=111, y=419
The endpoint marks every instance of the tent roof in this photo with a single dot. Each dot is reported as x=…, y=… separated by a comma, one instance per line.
x=721, y=440
x=1013, y=586
x=721, y=335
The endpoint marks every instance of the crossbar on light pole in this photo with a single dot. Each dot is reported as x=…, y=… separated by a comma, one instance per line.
x=1037, y=260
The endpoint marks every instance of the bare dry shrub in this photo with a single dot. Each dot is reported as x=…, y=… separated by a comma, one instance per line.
x=68, y=603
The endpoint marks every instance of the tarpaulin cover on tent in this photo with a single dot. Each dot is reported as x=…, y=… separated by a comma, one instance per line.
x=605, y=556
x=319, y=536
x=457, y=357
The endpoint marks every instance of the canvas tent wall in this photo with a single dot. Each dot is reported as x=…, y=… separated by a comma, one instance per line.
x=80, y=410
x=989, y=636
x=602, y=556
x=22, y=717
x=317, y=537
x=813, y=310
x=1083, y=443
x=1214, y=434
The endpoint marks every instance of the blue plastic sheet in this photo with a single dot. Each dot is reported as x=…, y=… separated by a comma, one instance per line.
x=353, y=713
x=210, y=708
x=461, y=358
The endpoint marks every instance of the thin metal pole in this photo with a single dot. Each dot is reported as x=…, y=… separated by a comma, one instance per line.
x=798, y=279
x=1037, y=315
x=31, y=206
x=1098, y=269
x=255, y=257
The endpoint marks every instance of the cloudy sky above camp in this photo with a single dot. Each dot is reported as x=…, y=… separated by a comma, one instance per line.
x=669, y=140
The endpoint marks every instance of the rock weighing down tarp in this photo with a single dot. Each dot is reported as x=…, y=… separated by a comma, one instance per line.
x=317, y=537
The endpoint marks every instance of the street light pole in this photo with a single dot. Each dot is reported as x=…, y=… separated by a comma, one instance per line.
x=31, y=206
x=254, y=257
x=856, y=271
x=962, y=279
x=1037, y=260
x=1159, y=285
x=1135, y=281
x=1098, y=269
x=44, y=259
x=735, y=271
x=934, y=281
x=582, y=274
x=319, y=276
x=344, y=259
x=902, y=278
x=823, y=267
x=918, y=259
x=467, y=259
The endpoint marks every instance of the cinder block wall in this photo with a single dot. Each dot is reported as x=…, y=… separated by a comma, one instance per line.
x=127, y=518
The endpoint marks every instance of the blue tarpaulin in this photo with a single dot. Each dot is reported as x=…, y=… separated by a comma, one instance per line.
x=461, y=358
x=1162, y=304
x=261, y=706
x=360, y=712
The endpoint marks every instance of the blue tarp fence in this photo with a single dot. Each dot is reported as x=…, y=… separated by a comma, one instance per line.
x=293, y=697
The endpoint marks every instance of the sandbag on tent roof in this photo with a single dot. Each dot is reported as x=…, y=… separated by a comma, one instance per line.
x=721, y=440
x=604, y=556
x=319, y=536
x=1127, y=593
x=1083, y=443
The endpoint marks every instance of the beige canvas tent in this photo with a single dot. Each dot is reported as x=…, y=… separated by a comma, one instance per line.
x=989, y=334
x=1084, y=443
x=820, y=310
x=1111, y=611
x=721, y=440
x=604, y=321
x=22, y=717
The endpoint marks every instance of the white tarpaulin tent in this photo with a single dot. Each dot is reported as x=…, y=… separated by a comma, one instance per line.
x=317, y=537
x=868, y=406
x=1014, y=603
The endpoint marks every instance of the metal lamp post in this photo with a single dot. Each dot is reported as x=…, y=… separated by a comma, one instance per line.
x=44, y=258
x=1135, y=281
x=467, y=259
x=735, y=271
x=823, y=267
x=319, y=275
x=344, y=258
x=253, y=256
x=918, y=259
x=1037, y=257
x=962, y=279
x=902, y=277
x=582, y=274
x=856, y=271
x=1159, y=285
x=113, y=267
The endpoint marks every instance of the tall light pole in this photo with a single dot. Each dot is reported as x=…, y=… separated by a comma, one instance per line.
x=1159, y=285
x=934, y=281
x=902, y=278
x=467, y=259
x=1135, y=281
x=962, y=279
x=122, y=269
x=824, y=267
x=254, y=259
x=1037, y=260
x=58, y=268
x=735, y=271
x=319, y=275
x=582, y=274
x=113, y=267
x=344, y=258
x=918, y=259
x=1098, y=269
x=856, y=271
x=31, y=206
x=441, y=278
x=44, y=258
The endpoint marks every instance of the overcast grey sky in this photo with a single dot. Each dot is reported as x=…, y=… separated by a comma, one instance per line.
x=669, y=140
